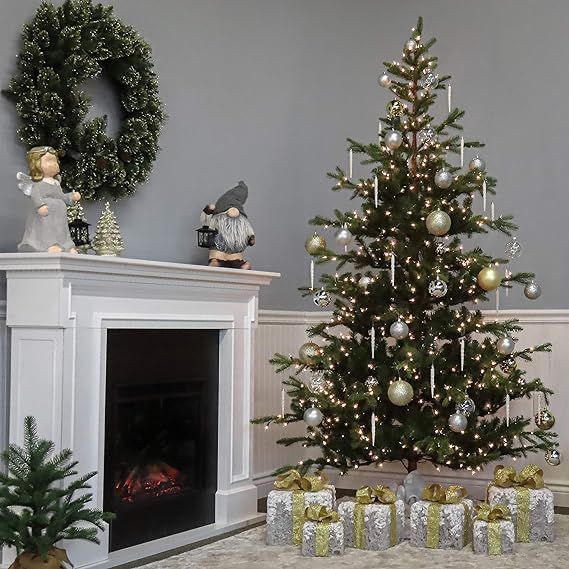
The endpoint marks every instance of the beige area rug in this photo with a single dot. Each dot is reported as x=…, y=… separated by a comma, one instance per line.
x=247, y=550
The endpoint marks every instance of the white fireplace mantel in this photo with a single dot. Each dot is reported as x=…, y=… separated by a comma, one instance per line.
x=59, y=308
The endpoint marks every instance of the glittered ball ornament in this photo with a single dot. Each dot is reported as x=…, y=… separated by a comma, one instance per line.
x=443, y=179
x=429, y=80
x=513, y=248
x=308, y=352
x=467, y=407
x=545, y=419
x=400, y=392
x=365, y=281
x=505, y=345
x=399, y=330
x=427, y=136
x=395, y=109
x=457, y=422
x=317, y=383
x=438, y=288
x=322, y=298
x=438, y=223
x=371, y=382
x=477, y=164
x=393, y=139
x=313, y=417
x=315, y=244
x=553, y=457
x=508, y=365
x=343, y=237
x=384, y=80
x=489, y=279
x=532, y=291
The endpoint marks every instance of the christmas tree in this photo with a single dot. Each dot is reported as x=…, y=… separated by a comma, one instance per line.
x=408, y=369
x=108, y=241
x=37, y=508
x=75, y=211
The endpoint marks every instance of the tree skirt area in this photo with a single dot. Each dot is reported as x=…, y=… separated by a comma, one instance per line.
x=247, y=550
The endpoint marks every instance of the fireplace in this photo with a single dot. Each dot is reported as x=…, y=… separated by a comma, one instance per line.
x=160, y=432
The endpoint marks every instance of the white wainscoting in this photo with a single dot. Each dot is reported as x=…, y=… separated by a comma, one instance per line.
x=285, y=331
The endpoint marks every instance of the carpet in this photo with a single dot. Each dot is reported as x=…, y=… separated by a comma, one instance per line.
x=247, y=550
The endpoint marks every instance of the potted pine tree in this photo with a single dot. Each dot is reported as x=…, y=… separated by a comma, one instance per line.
x=39, y=507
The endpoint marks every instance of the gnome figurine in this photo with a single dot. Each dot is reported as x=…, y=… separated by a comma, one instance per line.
x=234, y=232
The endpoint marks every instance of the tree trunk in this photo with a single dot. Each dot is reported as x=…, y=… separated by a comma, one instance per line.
x=411, y=464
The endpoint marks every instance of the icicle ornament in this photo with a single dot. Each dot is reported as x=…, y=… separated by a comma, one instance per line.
x=372, y=429
x=392, y=269
x=449, y=98
x=372, y=341
x=462, y=151
x=507, y=409
x=462, y=348
x=311, y=274
x=432, y=381
x=282, y=402
x=351, y=163
x=375, y=191
x=484, y=195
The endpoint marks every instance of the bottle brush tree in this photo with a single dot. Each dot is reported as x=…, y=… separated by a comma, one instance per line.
x=408, y=369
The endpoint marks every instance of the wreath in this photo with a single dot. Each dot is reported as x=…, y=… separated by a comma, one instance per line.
x=62, y=47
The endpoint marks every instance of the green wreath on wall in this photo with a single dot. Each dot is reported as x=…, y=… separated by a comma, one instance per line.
x=62, y=47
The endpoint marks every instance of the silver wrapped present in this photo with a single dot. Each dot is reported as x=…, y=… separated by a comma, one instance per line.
x=530, y=503
x=443, y=519
x=493, y=530
x=322, y=532
x=287, y=503
x=374, y=520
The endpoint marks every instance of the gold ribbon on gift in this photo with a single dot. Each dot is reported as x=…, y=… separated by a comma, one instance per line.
x=323, y=516
x=56, y=558
x=438, y=496
x=298, y=484
x=529, y=478
x=365, y=496
x=493, y=516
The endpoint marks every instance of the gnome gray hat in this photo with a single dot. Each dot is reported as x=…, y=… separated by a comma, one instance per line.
x=235, y=197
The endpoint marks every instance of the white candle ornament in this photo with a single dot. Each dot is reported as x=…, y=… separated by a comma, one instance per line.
x=462, y=347
x=392, y=269
x=311, y=274
x=372, y=341
x=462, y=151
x=379, y=132
x=282, y=402
x=507, y=409
x=351, y=163
x=375, y=191
x=372, y=429
x=484, y=195
x=449, y=97
x=492, y=211
x=497, y=302
x=432, y=381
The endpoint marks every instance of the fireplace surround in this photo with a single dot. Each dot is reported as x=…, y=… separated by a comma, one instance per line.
x=66, y=312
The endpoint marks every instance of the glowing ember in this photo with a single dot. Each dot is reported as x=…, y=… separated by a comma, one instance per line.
x=151, y=480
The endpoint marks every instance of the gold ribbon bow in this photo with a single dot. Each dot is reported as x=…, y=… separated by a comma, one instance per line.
x=298, y=484
x=439, y=495
x=367, y=495
x=323, y=516
x=529, y=478
x=493, y=516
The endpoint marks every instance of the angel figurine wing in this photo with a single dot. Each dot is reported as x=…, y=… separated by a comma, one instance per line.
x=25, y=183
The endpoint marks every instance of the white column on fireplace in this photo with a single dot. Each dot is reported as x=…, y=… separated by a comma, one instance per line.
x=59, y=308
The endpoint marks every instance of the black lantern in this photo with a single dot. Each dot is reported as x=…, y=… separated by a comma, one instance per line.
x=206, y=237
x=79, y=231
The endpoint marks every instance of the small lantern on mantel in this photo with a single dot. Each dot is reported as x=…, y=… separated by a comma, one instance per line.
x=79, y=231
x=206, y=236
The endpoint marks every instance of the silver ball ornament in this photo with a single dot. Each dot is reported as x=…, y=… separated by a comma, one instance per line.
x=365, y=281
x=343, y=237
x=429, y=80
x=443, y=179
x=400, y=392
x=513, y=248
x=467, y=407
x=457, y=422
x=477, y=164
x=313, y=417
x=410, y=45
x=553, y=457
x=532, y=291
x=399, y=330
x=505, y=345
x=322, y=298
x=438, y=288
x=438, y=223
x=393, y=139
x=384, y=80
x=308, y=352
x=315, y=244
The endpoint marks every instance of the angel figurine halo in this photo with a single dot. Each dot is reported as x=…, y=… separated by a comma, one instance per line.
x=46, y=225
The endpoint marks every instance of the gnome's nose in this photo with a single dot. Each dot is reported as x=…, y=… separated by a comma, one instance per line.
x=233, y=212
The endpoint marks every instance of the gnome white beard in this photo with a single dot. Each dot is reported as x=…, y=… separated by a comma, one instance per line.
x=232, y=232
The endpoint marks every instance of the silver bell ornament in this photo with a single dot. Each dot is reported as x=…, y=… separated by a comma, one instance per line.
x=532, y=291
x=553, y=457
x=467, y=407
x=313, y=417
x=544, y=420
x=365, y=281
x=505, y=345
x=315, y=244
x=438, y=223
x=443, y=179
x=513, y=248
x=438, y=288
x=384, y=80
x=477, y=164
x=308, y=352
x=399, y=330
x=343, y=236
x=400, y=392
x=410, y=45
x=393, y=139
x=322, y=298
x=457, y=422
x=489, y=279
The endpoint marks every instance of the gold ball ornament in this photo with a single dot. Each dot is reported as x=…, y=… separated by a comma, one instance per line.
x=438, y=223
x=315, y=244
x=545, y=420
x=400, y=392
x=489, y=279
x=395, y=109
x=308, y=352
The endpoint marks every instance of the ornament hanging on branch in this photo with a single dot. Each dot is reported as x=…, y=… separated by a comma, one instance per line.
x=489, y=279
x=399, y=330
x=467, y=407
x=108, y=241
x=317, y=383
x=393, y=139
x=410, y=45
x=400, y=392
x=477, y=164
x=371, y=382
x=343, y=236
x=505, y=345
x=322, y=298
x=313, y=417
x=438, y=288
x=532, y=291
x=429, y=80
x=457, y=422
x=513, y=248
x=438, y=223
x=553, y=457
x=308, y=352
x=315, y=244
x=365, y=281
x=508, y=365
x=395, y=109
x=545, y=420
x=443, y=179
x=384, y=80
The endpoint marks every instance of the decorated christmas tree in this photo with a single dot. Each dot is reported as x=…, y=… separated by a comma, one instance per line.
x=75, y=211
x=408, y=368
x=108, y=241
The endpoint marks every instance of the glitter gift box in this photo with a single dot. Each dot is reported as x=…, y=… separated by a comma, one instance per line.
x=443, y=519
x=374, y=520
x=287, y=503
x=493, y=530
x=529, y=502
x=322, y=532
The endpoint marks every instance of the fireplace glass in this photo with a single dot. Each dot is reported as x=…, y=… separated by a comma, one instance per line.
x=161, y=432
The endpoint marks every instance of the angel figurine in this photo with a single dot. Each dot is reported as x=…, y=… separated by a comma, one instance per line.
x=46, y=226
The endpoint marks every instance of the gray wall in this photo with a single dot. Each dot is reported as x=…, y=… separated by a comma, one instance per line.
x=268, y=90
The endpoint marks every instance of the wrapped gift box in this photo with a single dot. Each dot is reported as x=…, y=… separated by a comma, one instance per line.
x=322, y=532
x=493, y=538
